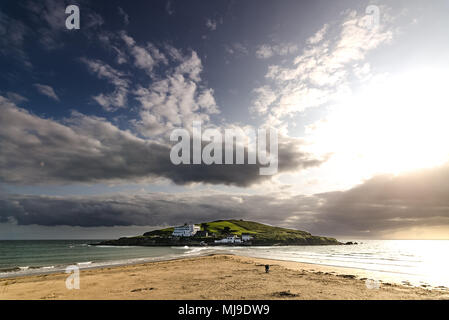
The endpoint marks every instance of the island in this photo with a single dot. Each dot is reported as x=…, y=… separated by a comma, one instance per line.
x=223, y=232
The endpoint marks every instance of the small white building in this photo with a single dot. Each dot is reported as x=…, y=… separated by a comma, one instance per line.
x=229, y=239
x=187, y=230
x=246, y=237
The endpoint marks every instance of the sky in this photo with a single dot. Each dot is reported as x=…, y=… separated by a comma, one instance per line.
x=355, y=89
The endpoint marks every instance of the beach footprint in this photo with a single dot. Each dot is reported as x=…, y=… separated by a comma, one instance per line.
x=49, y=296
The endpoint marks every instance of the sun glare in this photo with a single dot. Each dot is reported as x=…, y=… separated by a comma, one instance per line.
x=394, y=124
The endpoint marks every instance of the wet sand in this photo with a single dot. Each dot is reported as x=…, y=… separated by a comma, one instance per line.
x=214, y=277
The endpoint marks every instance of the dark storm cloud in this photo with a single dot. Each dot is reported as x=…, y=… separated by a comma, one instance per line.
x=389, y=202
x=149, y=209
x=85, y=149
x=380, y=205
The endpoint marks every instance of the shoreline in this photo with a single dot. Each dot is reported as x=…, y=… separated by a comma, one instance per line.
x=380, y=275
x=104, y=264
x=202, y=277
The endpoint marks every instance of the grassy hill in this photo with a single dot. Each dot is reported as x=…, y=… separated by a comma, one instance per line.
x=262, y=235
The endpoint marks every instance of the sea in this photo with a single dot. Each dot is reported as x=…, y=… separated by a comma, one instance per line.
x=414, y=262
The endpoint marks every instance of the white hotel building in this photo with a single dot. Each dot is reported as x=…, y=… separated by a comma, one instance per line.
x=187, y=230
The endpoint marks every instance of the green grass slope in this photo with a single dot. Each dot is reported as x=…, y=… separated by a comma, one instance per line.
x=262, y=235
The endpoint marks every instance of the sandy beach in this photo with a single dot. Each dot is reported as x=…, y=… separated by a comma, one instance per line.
x=212, y=277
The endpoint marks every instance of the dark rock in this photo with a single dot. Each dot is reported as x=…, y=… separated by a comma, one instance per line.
x=285, y=294
x=142, y=289
x=347, y=276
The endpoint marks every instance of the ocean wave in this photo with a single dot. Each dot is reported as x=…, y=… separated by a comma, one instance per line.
x=26, y=270
x=10, y=269
x=180, y=248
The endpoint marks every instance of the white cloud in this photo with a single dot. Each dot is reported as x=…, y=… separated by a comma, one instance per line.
x=319, y=36
x=121, y=56
x=124, y=15
x=169, y=8
x=320, y=73
x=237, y=48
x=105, y=71
x=264, y=98
x=15, y=97
x=191, y=66
x=93, y=20
x=211, y=24
x=47, y=91
x=108, y=39
x=117, y=98
x=266, y=51
x=112, y=101
x=362, y=72
x=12, y=38
x=145, y=58
x=176, y=100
